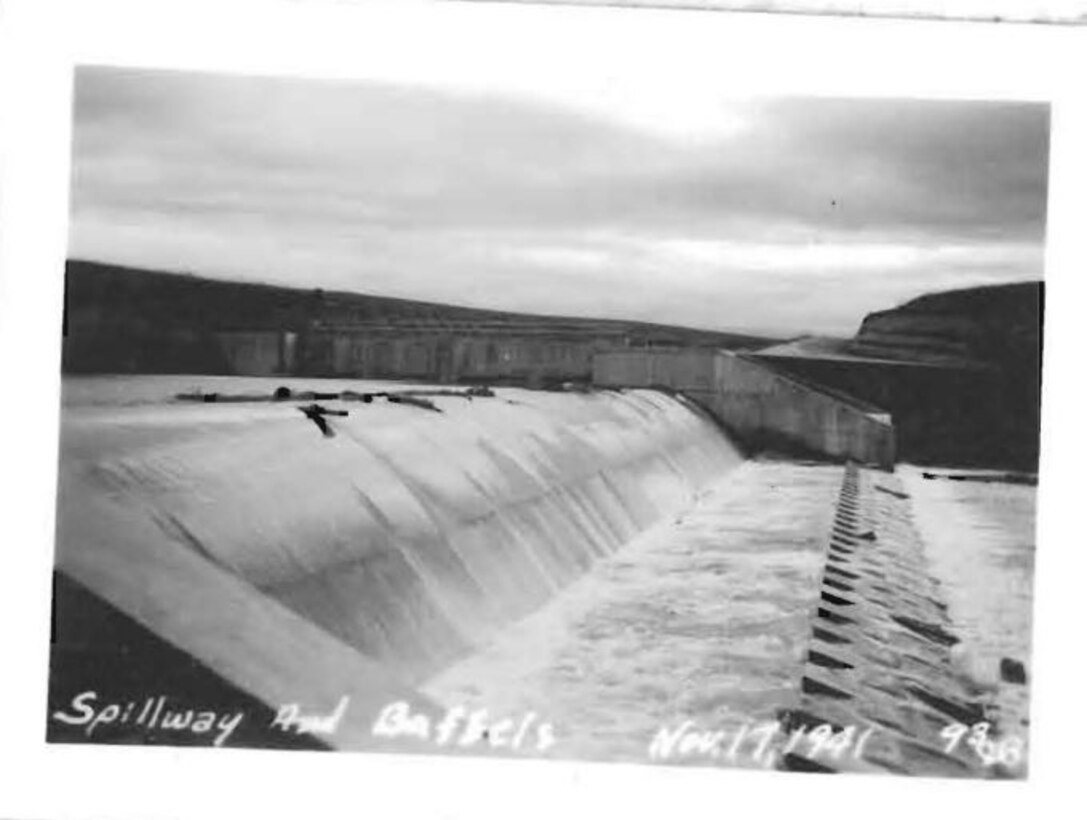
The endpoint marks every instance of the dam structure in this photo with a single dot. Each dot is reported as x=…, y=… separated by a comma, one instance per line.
x=611, y=562
x=691, y=556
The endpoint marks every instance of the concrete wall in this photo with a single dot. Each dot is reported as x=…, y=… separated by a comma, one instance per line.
x=251, y=353
x=949, y=416
x=258, y=353
x=764, y=408
x=684, y=369
x=449, y=357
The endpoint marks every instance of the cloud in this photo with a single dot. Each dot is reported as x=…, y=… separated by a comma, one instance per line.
x=561, y=202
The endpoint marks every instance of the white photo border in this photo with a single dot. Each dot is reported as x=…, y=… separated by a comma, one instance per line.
x=40, y=43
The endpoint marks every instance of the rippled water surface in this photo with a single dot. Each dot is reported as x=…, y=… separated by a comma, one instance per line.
x=980, y=542
x=705, y=618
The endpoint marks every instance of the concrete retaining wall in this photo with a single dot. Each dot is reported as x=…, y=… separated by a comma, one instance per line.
x=765, y=408
x=449, y=357
x=687, y=370
x=761, y=405
x=258, y=353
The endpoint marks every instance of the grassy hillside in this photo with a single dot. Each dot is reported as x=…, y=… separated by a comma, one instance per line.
x=120, y=319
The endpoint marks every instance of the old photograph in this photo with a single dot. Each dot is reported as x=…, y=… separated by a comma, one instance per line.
x=622, y=420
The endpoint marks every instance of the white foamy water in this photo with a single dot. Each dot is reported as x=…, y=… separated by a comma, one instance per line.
x=980, y=541
x=705, y=617
x=412, y=535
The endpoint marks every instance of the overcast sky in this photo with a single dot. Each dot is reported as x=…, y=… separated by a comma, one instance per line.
x=642, y=198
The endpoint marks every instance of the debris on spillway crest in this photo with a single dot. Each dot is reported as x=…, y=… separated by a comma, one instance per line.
x=881, y=658
x=416, y=398
x=316, y=413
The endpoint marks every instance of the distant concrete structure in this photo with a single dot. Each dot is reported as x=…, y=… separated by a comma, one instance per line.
x=258, y=353
x=764, y=408
x=456, y=352
x=688, y=370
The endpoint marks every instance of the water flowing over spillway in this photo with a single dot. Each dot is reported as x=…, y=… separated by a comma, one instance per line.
x=412, y=536
x=606, y=564
x=704, y=618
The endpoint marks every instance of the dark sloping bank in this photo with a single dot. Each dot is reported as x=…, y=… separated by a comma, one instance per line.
x=124, y=320
x=959, y=371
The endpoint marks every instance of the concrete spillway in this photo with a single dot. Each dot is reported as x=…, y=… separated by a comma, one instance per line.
x=406, y=540
x=607, y=561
